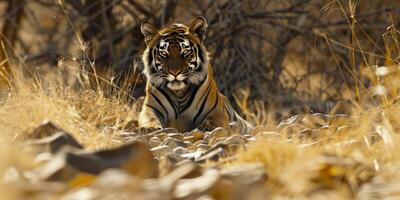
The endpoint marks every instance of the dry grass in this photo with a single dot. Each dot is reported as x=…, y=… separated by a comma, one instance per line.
x=84, y=112
x=309, y=157
x=339, y=161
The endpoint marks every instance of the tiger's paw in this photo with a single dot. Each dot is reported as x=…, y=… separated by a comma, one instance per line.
x=147, y=130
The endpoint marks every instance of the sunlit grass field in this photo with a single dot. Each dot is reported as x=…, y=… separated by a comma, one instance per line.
x=350, y=152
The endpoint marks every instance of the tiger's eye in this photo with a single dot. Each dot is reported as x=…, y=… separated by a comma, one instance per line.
x=186, y=52
x=163, y=53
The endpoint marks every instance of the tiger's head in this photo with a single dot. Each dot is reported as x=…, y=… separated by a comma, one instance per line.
x=175, y=57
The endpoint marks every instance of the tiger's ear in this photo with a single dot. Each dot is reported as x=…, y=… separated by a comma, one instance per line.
x=148, y=31
x=198, y=27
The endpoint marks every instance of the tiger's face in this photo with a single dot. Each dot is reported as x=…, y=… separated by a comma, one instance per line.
x=175, y=57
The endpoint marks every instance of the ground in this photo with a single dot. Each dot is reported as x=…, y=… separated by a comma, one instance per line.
x=60, y=142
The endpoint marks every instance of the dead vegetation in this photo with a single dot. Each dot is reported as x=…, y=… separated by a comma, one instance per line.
x=319, y=79
x=280, y=50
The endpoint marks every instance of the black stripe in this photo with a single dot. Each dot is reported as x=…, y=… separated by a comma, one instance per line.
x=201, y=54
x=167, y=39
x=194, y=48
x=180, y=39
x=184, y=96
x=159, y=103
x=192, y=95
x=171, y=101
x=150, y=56
x=186, y=100
x=215, y=105
x=208, y=90
x=154, y=57
x=198, y=58
x=202, y=105
x=158, y=114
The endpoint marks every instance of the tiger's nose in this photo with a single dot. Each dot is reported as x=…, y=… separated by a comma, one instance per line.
x=175, y=66
x=174, y=72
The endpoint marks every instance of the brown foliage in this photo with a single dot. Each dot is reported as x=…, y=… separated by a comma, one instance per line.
x=296, y=53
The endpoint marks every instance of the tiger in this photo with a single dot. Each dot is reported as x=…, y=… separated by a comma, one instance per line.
x=181, y=92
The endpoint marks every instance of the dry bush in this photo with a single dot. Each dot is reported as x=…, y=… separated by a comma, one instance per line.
x=280, y=50
x=85, y=112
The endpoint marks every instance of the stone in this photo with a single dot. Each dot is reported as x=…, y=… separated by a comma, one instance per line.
x=123, y=135
x=193, y=155
x=203, y=147
x=172, y=143
x=169, y=161
x=197, y=143
x=190, y=138
x=45, y=129
x=211, y=137
x=251, y=139
x=244, y=181
x=235, y=128
x=185, y=170
x=154, y=142
x=161, y=150
x=235, y=139
x=55, y=169
x=214, y=153
x=219, y=132
x=180, y=150
x=114, y=178
x=82, y=193
x=178, y=136
x=55, y=142
x=217, y=140
x=196, y=133
x=161, y=136
x=233, y=147
x=188, y=143
x=245, y=173
x=135, y=158
x=11, y=174
x=290, y=121
x=196, y=187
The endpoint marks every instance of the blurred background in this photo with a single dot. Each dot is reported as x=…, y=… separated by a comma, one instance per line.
x=289, y=56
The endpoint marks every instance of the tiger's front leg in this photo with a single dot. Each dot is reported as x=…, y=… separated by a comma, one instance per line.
x=148, y=119
x=216, y=119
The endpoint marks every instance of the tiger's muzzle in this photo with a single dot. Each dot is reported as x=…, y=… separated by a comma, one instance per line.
x=176, y=68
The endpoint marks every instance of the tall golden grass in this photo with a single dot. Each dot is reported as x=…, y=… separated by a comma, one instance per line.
x=338, y=156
